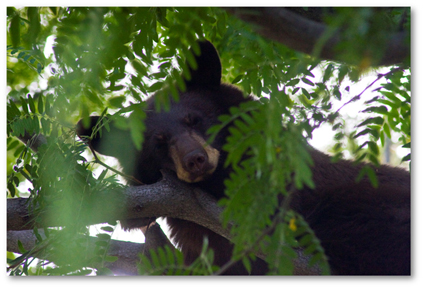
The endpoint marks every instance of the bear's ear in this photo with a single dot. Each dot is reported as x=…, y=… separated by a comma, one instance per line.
x=209, y=70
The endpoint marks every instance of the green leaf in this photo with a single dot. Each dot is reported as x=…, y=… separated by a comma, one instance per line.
x=45, y=125
x=315, y=259
x=373, y=120
x=328, y=73
x=406, y=158
x=40, y=105
x=387, y=130
x=117, y=102
x=191, y=59
x=15, y=31
x=156, y=86
x=343, y=70
x=101, y=177
x=306, y=94
x=139, y=67
x=391, y=96
x=35, y=124
x=373, y=147
x=34, y=23
x=170, y=255
x=293, y=82
x=13, y=111
x=337, y=93
x=31, y=104
x=20, y=247
x=247, y=264
x=12, y=145
x=116, y=88
x=109, y=258
x=363, y=132
x=24, y=105
x=370, y=172
x=137, y=127
x=307, y=81
x=377, y=109
x=372, y=177
x=339, y=136
x=48, y=109
x=237, y=79
x=154, y=258
x=305, y=240
x=310, y=249
x=11, y=189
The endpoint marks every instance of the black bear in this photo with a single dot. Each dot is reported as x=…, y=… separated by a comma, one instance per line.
x=364, y=231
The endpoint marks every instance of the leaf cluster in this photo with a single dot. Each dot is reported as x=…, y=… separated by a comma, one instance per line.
x=62, y=189
x=167, y=261
x=69, y=253
x=267, y=158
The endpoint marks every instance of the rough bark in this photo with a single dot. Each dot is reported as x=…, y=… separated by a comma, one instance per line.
x=167, y=198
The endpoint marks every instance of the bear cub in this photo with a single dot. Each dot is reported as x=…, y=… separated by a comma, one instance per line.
x=364, y=231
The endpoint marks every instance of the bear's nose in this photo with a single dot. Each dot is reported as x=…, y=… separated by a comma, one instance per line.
x=195, y=162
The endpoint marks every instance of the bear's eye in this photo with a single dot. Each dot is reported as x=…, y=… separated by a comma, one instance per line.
x=160, y=140
x=192, y=120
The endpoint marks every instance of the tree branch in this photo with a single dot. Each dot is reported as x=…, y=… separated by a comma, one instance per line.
x=303, y=35
x=127, y=252
x=167, y=198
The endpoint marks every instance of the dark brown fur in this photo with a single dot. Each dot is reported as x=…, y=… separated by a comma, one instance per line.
x=364, y=231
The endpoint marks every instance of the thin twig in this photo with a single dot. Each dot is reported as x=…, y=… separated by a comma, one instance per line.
x=379, y=76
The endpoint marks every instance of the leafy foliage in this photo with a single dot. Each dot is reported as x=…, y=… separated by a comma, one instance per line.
x=111, y=59
x=165, y=261
x=61, y=182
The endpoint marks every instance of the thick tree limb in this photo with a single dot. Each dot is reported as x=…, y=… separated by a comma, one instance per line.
x=167, y=198
x=302, y=34
x=127, y=252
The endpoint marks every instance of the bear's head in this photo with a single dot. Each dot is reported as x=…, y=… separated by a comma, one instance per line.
x=177, y=139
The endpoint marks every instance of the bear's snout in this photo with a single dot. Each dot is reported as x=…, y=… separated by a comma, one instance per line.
x=194, y=159
x=195, y=162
